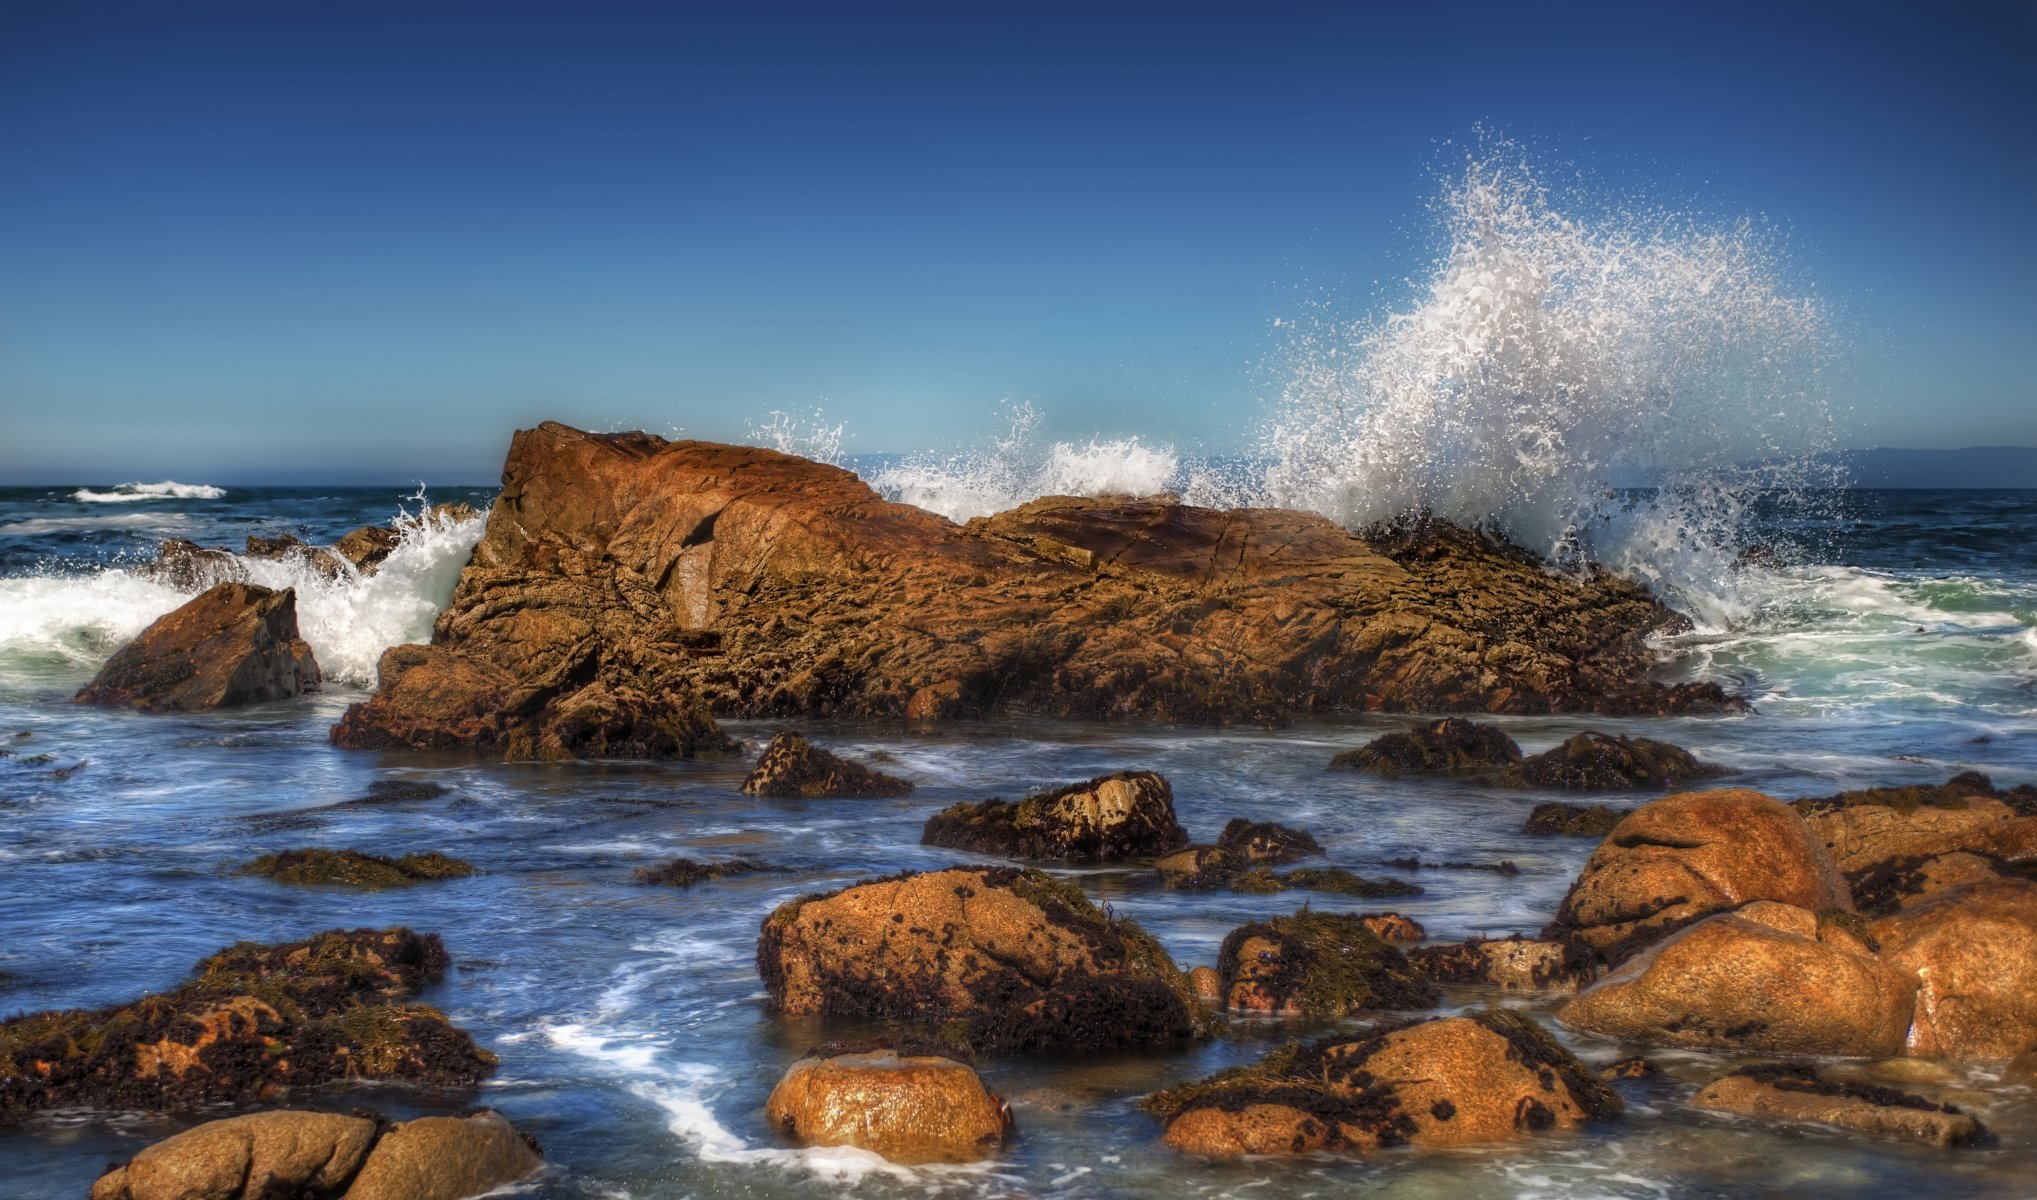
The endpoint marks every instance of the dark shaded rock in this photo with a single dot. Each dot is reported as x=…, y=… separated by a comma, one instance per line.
x=685, y=872
x=1266, y=841
x=400, y=791
x=289, y=546
x=1006, y=960
x=1344, y=883
x=1318, y=965
x=1631, y=1068
x=1452, y=744
x=189, y=567
x=235, y=644
x=1487, y=1076
x=256, y=1021
x=791, y=766
x=1505, y=866
x=1557, y=819
x=1111, y=817
x=352, y=868
x=1797, y=1094
x=908, y=1108
x=1608, y=762
x=1510, y=964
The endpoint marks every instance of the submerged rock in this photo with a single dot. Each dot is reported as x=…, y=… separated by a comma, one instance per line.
x=791, y=766
x=1557, y=819
x=685, y=872
x=1973, y=952
x=255, y=1021
x=908, y=1108
x=1111, y=817
x=1795, y=1093
x=1594, y=761
x=624, y=576
x=1488, y=1076
x=234, y=645
x=351, y=868
x=1452, y=744
x=1344, y=883
x=1006, y=960
x=1318, y=965
x=1513, y=964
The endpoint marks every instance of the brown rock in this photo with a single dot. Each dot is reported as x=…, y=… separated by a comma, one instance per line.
x=1594, y=761
x=1318, y=965
x=1013, y=961
x=768, y=586
x=1887, y=886
x=1974, y=951
x=256, y=1157
x=1392, y=927
x=1208, y=985
x=1265, y=842
x=1557, y=819
x=791, y=766
x=445, y=1158
x=1776, y=981
x=1796, y=1095
x=366, y=548
x=1111, y=817
x=1875, y=826
x=290, y=546
x=910, y=1109
x=1452, y=744
x=1509, y=964
x=189, y=567
x=235, y=644
x=1684, y=857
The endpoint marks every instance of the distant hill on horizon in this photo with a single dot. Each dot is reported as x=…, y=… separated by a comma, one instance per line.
x=1971, y=467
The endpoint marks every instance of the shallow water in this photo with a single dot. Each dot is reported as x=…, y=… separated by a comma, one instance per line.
x=635, y=1044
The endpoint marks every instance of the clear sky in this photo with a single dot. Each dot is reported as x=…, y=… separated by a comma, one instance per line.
x=365, y=240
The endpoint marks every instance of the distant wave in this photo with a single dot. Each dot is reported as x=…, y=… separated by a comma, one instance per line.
x=169, y=489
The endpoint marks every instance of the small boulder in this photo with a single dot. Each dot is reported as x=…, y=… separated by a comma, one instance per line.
x=1318, y=965
x=189, y=567
x=261, y=1156
x=1557, y=819
x=1794, y=1093
x=445, y=1158
x=1770, y=979
x=791, y=766
x=685, y=872
x=1344, y=883
x=290, y=546
x=908, y=1108
x=1973, y=950
x=1594, y=761
x=1265, y=842
x=1127, y=815
x=234, y=645
x=1513, y=964
x=351, y=868
x=1451, y=744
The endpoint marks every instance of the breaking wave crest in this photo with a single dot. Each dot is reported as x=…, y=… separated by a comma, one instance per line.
x=130, y=493
x=1018, y=467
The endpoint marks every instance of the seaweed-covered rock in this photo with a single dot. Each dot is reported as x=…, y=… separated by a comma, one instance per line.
x=908, y=1108
x=1266, y=842
x=352, y=868
x=1557, y=819
x=1593, y=761
x=1885, y=887
x=1452, y=744
x=1392, y=927
x=1319, y=965
x=1484, y=1077
x=685, y=872
x=1510, y=964
x=444, y=1158
x=235, y=644
x=1973, y=950
x=261, y=1156
x=1684, y=857
x=1006, y=960
x=792, y=766
x=1868, y=830
x=1796, y=1094
x=1769, y=979
x=256, y=1021
x=1127, y=815
x=1344, y=883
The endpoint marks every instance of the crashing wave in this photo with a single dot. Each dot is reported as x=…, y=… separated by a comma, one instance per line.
x=132, y=493
x=1018, y=467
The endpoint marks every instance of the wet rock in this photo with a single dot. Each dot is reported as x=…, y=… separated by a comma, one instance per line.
x=400, y=791
x=1687, y=856
x=236, y=644
x=261, y=1156
x=1393, y=927
x=910, y=1109
x=1318, y=965
x=1885, y=887
x=351, y=868
x=1973, y=950
x=445, y=1158
x=1266, y=842
x=656, y=575
x=1489, y=1076
x=1770, y=979
x=1594, y=761
x=1556, y=819
x=1344, y=883
x=189, y=567
x=791, y=766
x=290, y=546
x=366, y=548
x=1208, y=985
x=1006, y=960
x=1513, y=964
x=1452, y=744
x=254, y=1022
x=685, y=872
x=1505, y=866
x=1127, y=815
x=1871, y=831
x=1795, y=1093
x=1636, y=1067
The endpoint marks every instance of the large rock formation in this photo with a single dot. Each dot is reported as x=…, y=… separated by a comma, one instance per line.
x=1126, y=815
x=623, y=576
x=910, y=1108
x=235, y=644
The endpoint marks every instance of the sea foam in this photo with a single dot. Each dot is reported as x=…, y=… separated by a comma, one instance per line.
x=131, y=493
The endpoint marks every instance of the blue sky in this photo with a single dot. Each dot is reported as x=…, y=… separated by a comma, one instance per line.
x=336, y=241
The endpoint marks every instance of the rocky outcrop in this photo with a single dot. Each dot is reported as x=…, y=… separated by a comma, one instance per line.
x=791, y=766
x=1111, y=817
x=1513, y=964
x=351, y=868
x=1594, y=761
x=685, y=872
x=1318, y=965
x=1006, y=960
x=1557, y=819
x=1685, y=857
x=1490, y=1076
x=1886, y=887
x=1768, y=979
x=255, y=1022
x=1452, y=744
x=625, y=575
x=1973, y=952
x=234, y=645
x=908, y=1108
x=1876, y=831
x=1794, y=1093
